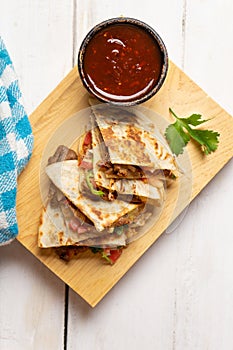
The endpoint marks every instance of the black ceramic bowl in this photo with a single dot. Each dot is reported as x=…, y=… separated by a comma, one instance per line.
x=123, y=61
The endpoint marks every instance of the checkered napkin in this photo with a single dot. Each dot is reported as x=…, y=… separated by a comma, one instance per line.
x=16, y=142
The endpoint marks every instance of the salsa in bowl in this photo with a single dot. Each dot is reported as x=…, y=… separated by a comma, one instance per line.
x=123, y=61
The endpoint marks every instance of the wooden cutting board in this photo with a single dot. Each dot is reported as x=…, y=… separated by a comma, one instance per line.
x=88, y=275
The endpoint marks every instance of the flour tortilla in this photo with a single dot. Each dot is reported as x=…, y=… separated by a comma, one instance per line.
x=66, y=175
x=134, y=187
x=51, y=236
x=55, y=231
x=130, y=142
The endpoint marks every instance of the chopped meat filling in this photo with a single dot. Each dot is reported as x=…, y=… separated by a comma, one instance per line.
x=67, y=253
x=113, y=171
x=62, y=153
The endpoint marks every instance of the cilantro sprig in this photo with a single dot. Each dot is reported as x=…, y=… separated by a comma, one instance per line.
x=182, y=131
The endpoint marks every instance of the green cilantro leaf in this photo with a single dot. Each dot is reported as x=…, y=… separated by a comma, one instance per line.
x=208, y=139
x=181, y=132
x=194, y=119
x=177, y=138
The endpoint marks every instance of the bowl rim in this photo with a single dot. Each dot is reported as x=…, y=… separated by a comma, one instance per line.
x=123, y=20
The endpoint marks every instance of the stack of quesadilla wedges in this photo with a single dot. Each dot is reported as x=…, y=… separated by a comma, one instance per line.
x=105, y=195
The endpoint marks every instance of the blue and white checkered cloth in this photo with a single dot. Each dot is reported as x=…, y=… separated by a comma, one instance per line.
x=16, y=143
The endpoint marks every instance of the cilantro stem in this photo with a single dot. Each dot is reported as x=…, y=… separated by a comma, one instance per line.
x=187, y=128
x=173, y=113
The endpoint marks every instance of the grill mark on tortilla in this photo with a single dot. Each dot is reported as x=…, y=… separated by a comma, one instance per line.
x=97, y=212
x=134, y=134
x=60, y=237
x=128, y=147
x=147, y=149
x=108, y=133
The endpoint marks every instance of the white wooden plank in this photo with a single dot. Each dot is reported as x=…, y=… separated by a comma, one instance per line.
x=163, y=16
x=204, y=281
x=209, y=48
x=38, y=35
x=32, y=302
x=138, y=312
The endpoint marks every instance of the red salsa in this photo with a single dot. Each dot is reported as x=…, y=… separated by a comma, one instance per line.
x=122, y=62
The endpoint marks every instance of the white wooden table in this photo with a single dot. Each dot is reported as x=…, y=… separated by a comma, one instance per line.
x=179, y=295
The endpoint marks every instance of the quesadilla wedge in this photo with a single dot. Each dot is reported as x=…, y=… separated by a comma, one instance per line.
x=136, y=186
x=64, y=225
x=94, y=152
x=55, y=231
x=130, y=143
x=66, y=176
